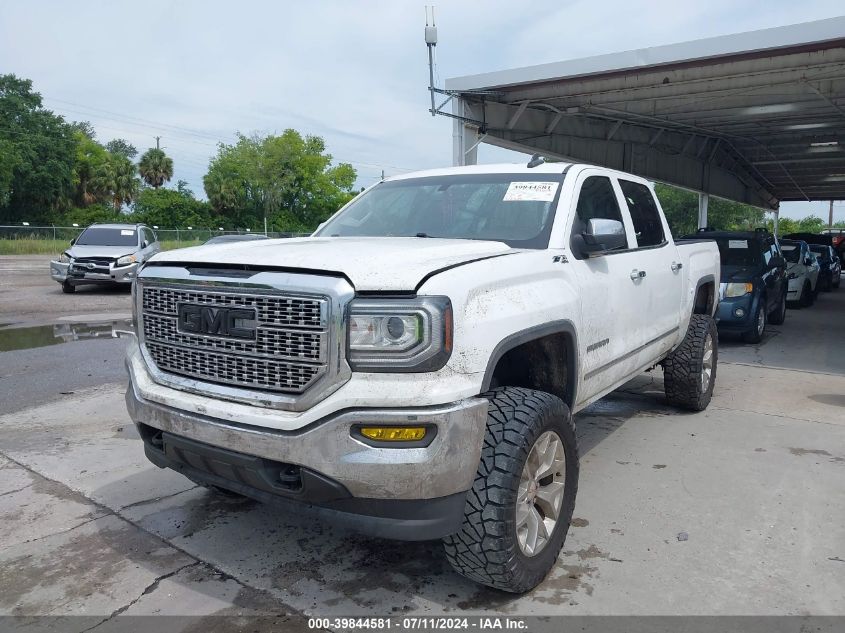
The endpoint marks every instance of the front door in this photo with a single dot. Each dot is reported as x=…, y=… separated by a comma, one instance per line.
x=611, y=289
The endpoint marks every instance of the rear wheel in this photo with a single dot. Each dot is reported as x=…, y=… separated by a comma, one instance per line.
x=689, y=372
x=68, y=288
x=518, y=511
x=779, y=315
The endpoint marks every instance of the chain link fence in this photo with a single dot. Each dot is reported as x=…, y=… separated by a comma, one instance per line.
x=23, y=240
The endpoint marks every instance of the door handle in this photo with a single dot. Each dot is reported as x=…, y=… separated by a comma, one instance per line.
x=676, y=266
x=637, y=274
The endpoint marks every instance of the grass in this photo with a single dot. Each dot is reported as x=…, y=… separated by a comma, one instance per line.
x=33, y=246
x=55, y=247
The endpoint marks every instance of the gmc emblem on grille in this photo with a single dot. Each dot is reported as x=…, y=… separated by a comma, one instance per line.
x=231, y=322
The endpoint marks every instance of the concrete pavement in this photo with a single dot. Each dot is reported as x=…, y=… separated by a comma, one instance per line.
x=89, y=527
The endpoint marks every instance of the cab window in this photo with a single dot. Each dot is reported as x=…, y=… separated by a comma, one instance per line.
x=597, y=200
x=644, y=214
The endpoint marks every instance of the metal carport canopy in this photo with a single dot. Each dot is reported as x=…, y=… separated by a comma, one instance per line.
x=755, y=117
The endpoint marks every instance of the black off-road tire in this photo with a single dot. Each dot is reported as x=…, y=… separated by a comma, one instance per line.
x=779, y=315
x=68, y=288
x=486, y=548
x=683, y=367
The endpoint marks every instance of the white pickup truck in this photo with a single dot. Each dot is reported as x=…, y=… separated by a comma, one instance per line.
x=411, y=370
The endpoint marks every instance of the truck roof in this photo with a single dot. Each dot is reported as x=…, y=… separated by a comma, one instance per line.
x=500, y=168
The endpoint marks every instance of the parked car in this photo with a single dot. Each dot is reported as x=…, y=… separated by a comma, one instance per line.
x=410, y=371
x=802, y=272
x=831, y=269
x=837, y=240
x=241, y=237
x=105, y=254
x=753, y=290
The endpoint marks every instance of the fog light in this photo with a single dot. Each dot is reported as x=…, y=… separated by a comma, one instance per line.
x=394, y=433
x=739, y=312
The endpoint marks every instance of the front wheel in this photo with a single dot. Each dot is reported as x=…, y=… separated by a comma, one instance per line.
x=520, y=505
x=68, y=288
x=689, y=372
x=755, y=334
x=805, y=300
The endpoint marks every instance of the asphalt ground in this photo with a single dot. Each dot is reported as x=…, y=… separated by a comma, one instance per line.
x=737, y=510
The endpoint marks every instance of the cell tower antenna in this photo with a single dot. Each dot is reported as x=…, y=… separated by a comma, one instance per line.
x=431, y=42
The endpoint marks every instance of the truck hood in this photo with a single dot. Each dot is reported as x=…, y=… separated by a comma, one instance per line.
x=370, y=263
x=100, y=251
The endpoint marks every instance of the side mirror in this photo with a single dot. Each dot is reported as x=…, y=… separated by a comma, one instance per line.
x=144, y=244
x=777, y=262
x=73, y=241
x=603, y=235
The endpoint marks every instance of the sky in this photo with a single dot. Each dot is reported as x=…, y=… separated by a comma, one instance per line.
x=354, y=72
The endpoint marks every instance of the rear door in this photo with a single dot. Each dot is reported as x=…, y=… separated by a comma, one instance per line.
x=610, y=288
x=662, y=287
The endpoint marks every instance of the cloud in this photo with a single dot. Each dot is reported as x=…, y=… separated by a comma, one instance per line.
x=195, y=72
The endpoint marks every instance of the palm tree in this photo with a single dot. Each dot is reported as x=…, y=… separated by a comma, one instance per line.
x=116, y=179
x=156, y=167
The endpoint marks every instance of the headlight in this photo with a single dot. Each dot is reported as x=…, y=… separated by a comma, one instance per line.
x=65, y=258
x=126, y=260
x=738, y=290
x=400, y=335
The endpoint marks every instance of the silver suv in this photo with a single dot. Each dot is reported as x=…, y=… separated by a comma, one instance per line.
x=105, y=254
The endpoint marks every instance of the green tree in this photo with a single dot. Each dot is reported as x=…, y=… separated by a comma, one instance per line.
x=156, y=167
x=289, y=179
x=85, y=128
x=681, y=209
x=172, y=208
x=122, y=147
x=116, y=179
x=90, y=157
x=37, y=151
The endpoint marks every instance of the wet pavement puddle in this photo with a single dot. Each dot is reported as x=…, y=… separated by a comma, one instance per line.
x=12, y=339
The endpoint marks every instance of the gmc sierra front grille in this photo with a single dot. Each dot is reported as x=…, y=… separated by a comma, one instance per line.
x=288, y=353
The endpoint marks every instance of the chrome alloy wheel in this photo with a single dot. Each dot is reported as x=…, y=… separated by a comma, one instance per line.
x=707, y=363
x=540, y=493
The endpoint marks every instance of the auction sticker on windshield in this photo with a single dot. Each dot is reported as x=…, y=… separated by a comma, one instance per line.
x=127, y=232
x=540, y=191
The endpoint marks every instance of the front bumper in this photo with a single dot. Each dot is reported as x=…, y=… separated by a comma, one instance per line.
x=76, y=275
x=726, y=315
x=402, y=493
x=58, y=271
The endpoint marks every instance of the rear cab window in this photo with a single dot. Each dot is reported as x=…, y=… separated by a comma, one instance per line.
x=645, y=215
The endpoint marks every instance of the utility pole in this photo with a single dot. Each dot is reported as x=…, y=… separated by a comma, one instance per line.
x=830, y=216
x=157, y=140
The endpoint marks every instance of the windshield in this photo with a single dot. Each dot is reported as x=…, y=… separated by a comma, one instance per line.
x=516, y=209
x=739, y=252
x=98, y=236
x=791, y=252
x=821, y=252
